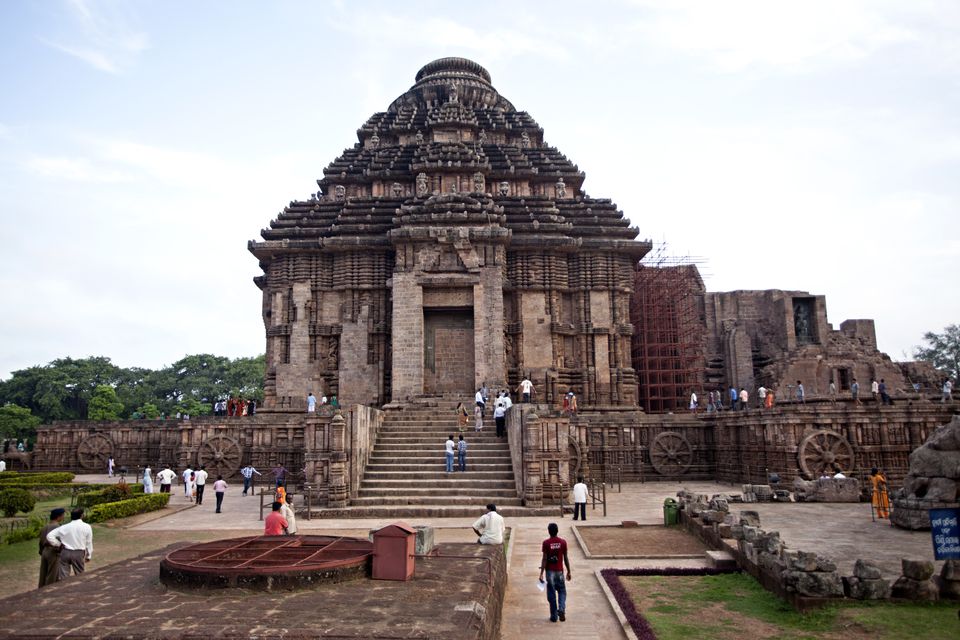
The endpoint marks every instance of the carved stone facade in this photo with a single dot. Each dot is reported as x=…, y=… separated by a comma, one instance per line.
x=406, y=277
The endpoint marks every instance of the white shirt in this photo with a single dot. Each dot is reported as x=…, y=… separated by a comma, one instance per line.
x=499, y=411
x=202, y=477
x=874, y=387
x=219, y=486
x=3, y=465
x=186, y=475
x=762, y=392
x=744, y=395
x=507, y=402
x=580, y=492
x=839, y=476
x=490, y=526
x=450, y=445
x=290, y=517
x=526, y=385
x=76, y=535
x=479, y=397
x=166, y=476
x=311, y=403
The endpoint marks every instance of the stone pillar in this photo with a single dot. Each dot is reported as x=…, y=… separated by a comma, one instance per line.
x=533, y=489
x=407, y=373
x=338, y=495
x=489, y=353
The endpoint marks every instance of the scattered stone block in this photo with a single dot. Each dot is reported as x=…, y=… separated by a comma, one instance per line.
x=750, y=533
x=751, y=518
x=951, y=570
x=866, y=571
x=916, y=569
x=813, y=584
x=721, y=560
x=710, y=516
x=720, y=503
x=919, y=590
x=629, y=524
x=860, y=589
x=724, y=530
x=736, y=531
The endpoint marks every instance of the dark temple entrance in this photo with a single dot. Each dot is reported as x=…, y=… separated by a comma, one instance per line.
x=448, y=351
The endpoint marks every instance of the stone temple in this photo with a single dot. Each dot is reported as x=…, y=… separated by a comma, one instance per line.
x=449, y=247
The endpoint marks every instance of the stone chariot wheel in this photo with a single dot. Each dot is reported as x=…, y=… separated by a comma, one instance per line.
x=220, y=455
x=93, y=451
x=824, y=451
x=671, y=453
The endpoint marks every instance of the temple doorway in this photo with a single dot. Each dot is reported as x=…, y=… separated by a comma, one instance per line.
x=448, y=360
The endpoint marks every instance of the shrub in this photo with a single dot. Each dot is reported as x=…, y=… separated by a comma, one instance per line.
x=53, y=477
x=28, y=531
x=126, y=508
x=111, y=493
x=14, y=500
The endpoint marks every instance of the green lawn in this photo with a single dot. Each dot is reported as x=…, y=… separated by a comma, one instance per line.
x=734, y=606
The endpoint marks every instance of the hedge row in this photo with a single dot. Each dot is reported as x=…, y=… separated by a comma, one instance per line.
x=53, y=477
x=30, y=530
x=112, y=493
x=126, y=508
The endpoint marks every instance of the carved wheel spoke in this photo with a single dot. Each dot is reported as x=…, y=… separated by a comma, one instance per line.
x=671, y=453
x=93, y=451
x=824, y=451
x=220, y=455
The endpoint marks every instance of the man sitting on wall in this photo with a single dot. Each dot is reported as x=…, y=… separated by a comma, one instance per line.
x=489, y=526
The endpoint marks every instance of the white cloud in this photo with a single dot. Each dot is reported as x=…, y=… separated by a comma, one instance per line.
x=73, y=169
x=101, y=38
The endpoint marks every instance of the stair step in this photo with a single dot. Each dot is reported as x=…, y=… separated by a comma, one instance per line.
x=462, y=479
x=461, y=491
x=447, y=500
x=477, y=474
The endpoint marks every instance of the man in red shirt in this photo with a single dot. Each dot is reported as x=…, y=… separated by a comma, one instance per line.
x=554, y=557
x=276, y=524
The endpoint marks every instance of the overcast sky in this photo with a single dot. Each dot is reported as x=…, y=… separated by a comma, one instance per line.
x=791, y=145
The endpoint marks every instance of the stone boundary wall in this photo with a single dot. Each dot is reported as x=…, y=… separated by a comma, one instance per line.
x=363, y=425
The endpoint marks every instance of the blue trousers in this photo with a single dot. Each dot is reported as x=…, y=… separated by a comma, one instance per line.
x=449, y=462
x=556, y=593
x=462, y=460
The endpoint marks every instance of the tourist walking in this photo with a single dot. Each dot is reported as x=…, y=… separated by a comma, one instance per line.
x=875, y=390
x=879, y=496
x=526, y=389
x=461, y=416
x=761, y=396
x=855, y=392
x=200, y=482
x=75, y=540
x=833, y=392
x=489, y=526
x=477, y=419
x=450, y=447
x=744, y=399
x=500, y=418
x=733, y=398
x=49, y=554
x=219, y=489
x=771, y=396
x=247, y=473
x=580, y=500
x=480, y=400
x=554, y=557
x=148, y=479
x=884, y=396
x=280, y=475
x=110, y=466
x=165, y=478
x=188, y=482
x=801, y=394
x=311, y=403
x=462, y=454
x=693, y=402
x=947, y=392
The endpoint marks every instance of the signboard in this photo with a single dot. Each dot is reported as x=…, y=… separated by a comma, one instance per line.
x=945, y=532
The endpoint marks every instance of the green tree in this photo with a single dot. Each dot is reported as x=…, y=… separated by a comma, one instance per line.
x=104, y=405
x=943, y=350
x=149, y=411
x=18, y=423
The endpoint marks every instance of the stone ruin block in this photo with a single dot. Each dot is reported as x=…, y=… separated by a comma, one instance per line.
x=915, y=583
x=720, y=502
x=751, y=518
x=814, y=584
x=933, y=479
x=866, y=583
x=827, y=490
x=736, y=531
x=710, y=516
x=949, y=580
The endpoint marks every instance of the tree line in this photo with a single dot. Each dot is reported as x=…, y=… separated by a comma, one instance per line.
x=94, y=388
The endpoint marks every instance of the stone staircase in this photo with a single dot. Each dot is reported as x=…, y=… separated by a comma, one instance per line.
x=406, y=473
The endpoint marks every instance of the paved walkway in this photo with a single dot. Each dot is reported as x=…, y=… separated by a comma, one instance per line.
x=840, y=531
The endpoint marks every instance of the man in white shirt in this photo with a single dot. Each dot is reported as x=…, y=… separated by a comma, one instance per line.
x=201, y=479
x=187, y=483
x=526, y=388
x=580, y=500
x=450, y=448
x=480, y=401
x=75, y=540
x=489, y=526
x=761, y=395
x=3, y=466
x=166, y=479
x=311, y=403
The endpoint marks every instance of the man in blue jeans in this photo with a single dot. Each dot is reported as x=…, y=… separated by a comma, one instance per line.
x=554, y=558
x=450, y=448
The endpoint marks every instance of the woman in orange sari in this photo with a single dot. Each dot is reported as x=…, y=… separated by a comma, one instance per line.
x=880, y=498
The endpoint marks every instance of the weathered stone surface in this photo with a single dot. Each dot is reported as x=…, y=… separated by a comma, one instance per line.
x=720, y=503
x=771, y=563
x=827, y=490
x=710, y=516
x=951, y=570
x=908, y=589
x=917, y=569
x=751, y=518
x=814, y=584
x=866, y=571
x=769, y=542
x=725, y=530
x=860, y=589
x=750, y=533
x=736, y=531
x=949, y=589
x=933, y=479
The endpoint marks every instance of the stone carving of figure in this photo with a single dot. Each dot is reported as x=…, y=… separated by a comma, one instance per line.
x=419, y=137
x=330, y=354
x=483, y=136
x=421, y=185
x=560, y=188
x=801, y=321
x=453, y=185
x=478, y=182
x=375, y=140
x=340, y=192
x=504, y=188
x=397, y=189
x=525, y=140
x=453, y=93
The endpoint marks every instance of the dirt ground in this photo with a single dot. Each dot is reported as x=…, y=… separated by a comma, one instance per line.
x=648, y=541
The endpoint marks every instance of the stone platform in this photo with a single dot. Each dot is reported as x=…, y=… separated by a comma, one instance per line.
x=457, y=594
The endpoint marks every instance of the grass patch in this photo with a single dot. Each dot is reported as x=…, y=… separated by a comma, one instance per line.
x=734, y=606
